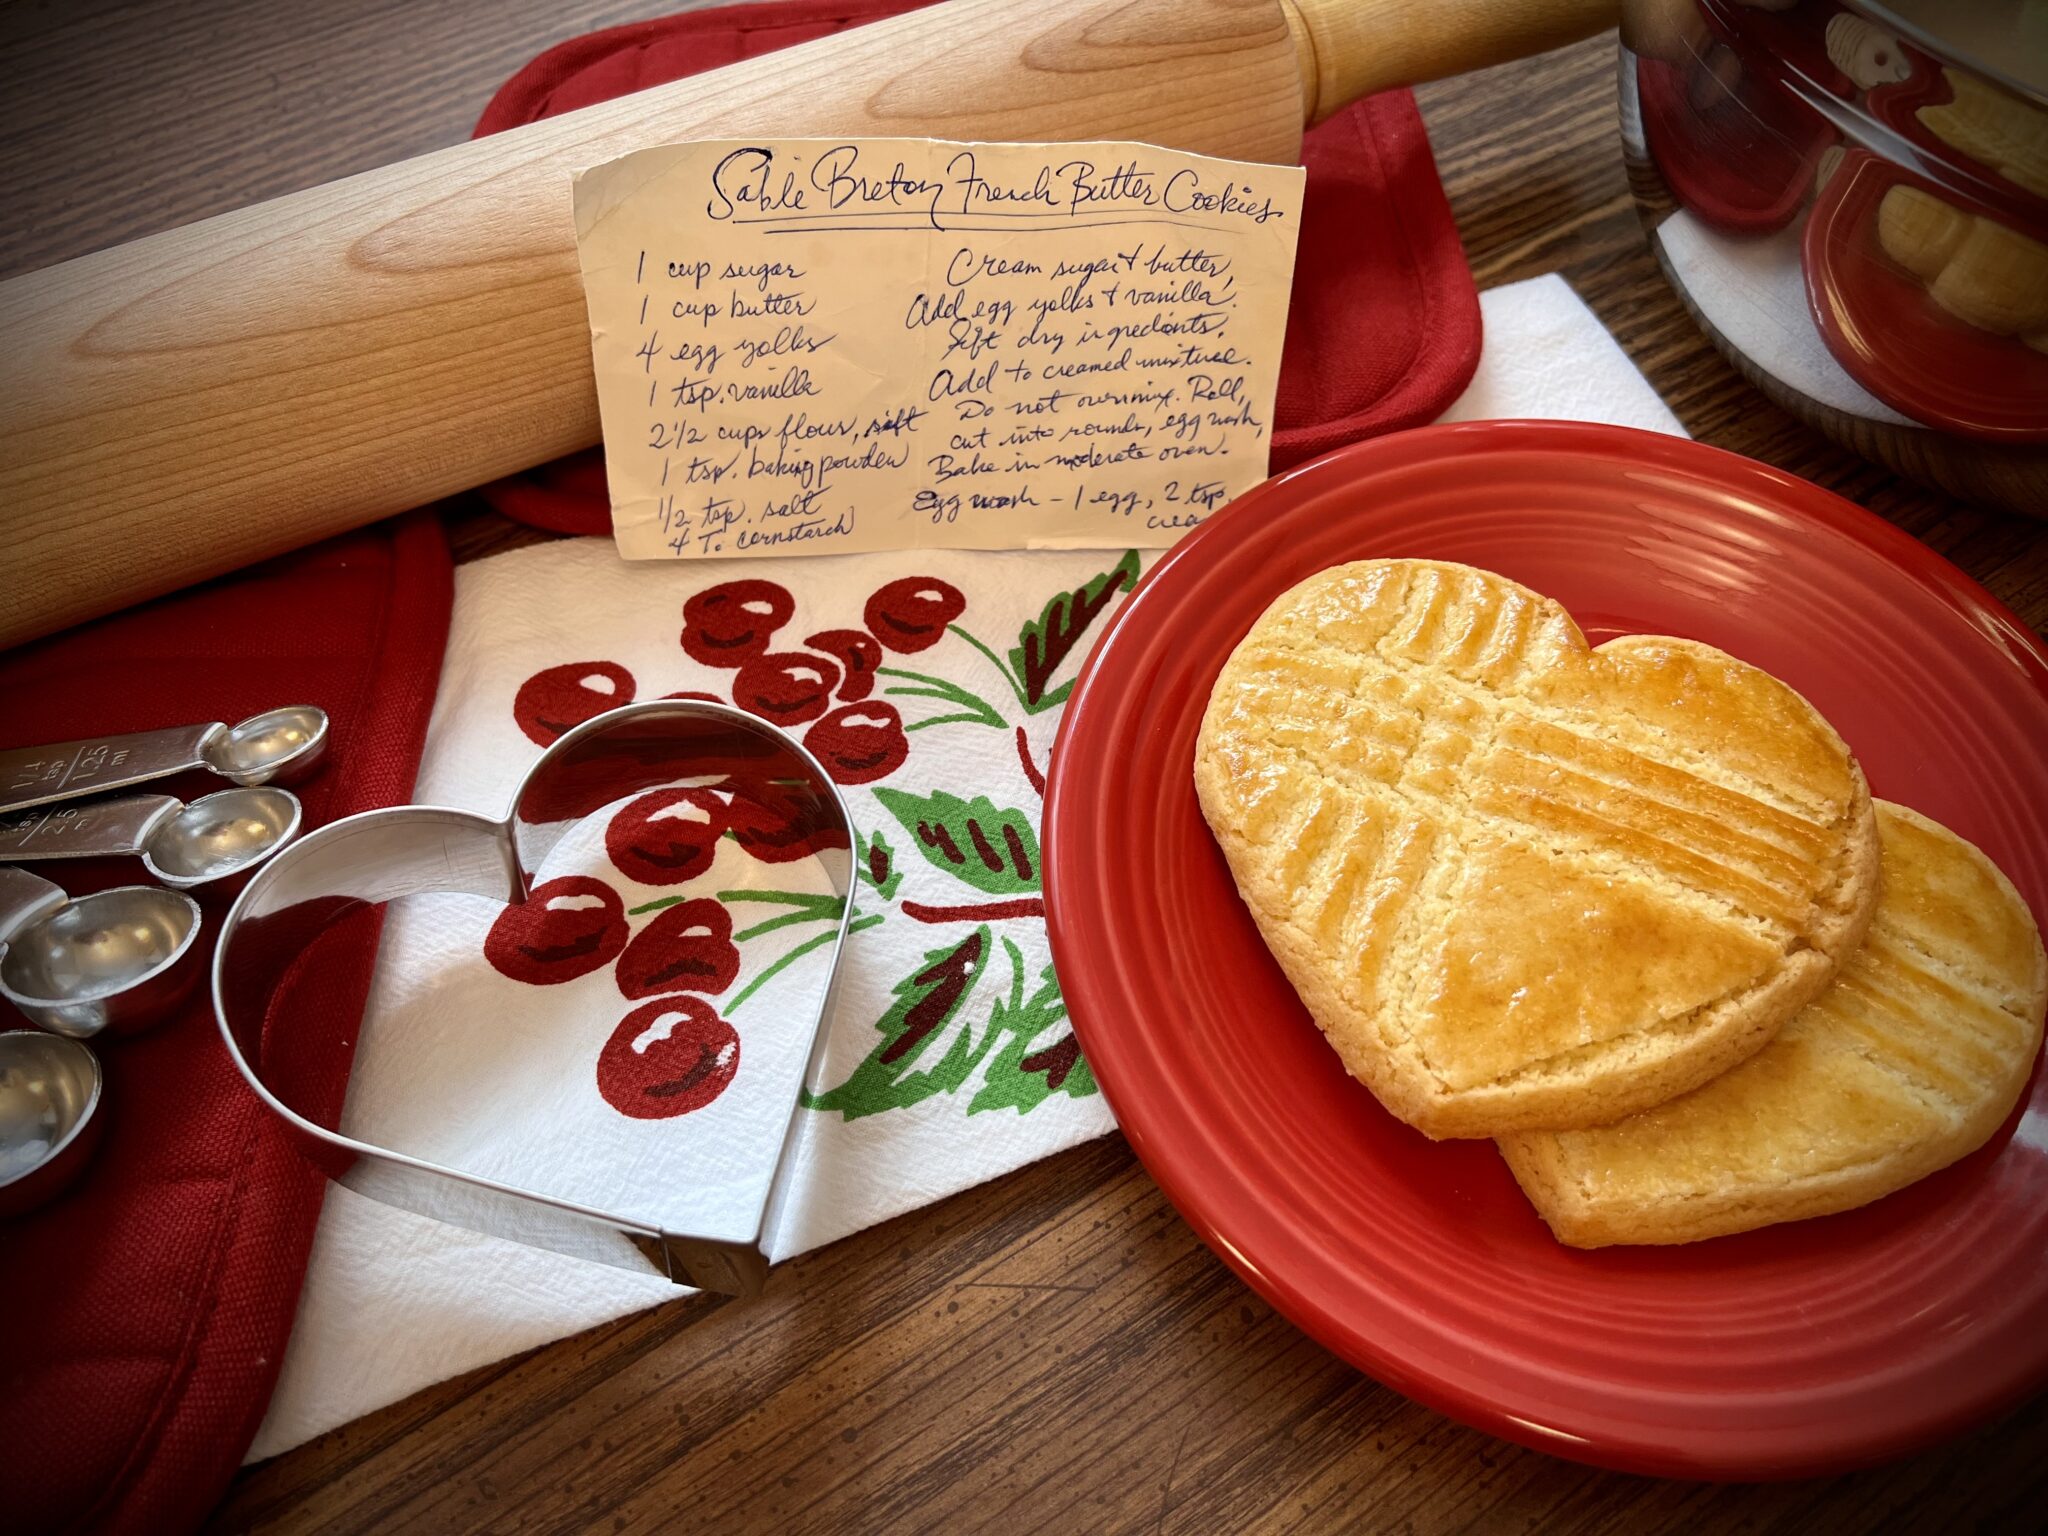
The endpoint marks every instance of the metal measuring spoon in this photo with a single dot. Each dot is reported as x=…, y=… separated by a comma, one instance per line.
x=49, y=1116
x=182, y=845
x=118, y=959
x=279, y=746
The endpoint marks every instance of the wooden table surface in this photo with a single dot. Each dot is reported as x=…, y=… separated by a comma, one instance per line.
x=1056, y=1349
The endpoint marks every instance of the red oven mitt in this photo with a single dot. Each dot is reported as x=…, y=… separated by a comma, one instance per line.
x=147, y=1308
x=1382, y=332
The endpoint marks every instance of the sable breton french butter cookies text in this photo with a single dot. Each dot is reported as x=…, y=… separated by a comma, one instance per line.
x=1520, y=883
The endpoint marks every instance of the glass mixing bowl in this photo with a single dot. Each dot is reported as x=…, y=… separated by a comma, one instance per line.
x=1851, y=198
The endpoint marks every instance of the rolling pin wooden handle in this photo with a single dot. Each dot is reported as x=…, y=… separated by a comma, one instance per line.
x=1349, y=49
x=212, y=395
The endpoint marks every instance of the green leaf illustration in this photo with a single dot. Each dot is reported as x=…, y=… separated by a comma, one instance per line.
x=900, y=1070
x=791, y=956
x=876, y=862
x=1038, y=1059
x=1046, y=641
x=994, y=850
x=967, y=706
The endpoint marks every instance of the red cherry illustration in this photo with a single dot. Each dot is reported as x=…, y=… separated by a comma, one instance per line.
x=725, y=624
x=667, y=836
x=667, y=1058
x=555, y=701
x=785, y=687
x=567, y=928
x=687, y=948
x=912, y=614
x=859, y=743
x=781, y=823
x=857, y=653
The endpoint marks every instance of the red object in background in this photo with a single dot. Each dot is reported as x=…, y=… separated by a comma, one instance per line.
x=786, y=688
x=1746, y=160
x=550, y=704
x=687, y=948
x=857, y=653
x=148, y=1308
x=1382, y=332
x=1897, y=105
x=859, y=743
x=667, y=836
x=731, y=623
x=911, y=614
x=1889, y=334
x=1803, y=1348
x=1790, y=40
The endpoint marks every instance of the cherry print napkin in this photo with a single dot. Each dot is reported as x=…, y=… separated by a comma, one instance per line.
x=931, y=683
x=928, y=684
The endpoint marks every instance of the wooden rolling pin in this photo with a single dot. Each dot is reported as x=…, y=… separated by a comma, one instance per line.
x=190, y=402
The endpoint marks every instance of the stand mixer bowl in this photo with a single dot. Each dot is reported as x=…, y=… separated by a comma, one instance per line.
x=1851, y=199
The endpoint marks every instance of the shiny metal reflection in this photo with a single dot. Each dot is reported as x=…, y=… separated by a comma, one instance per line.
x=221, y=835
x=336, y=871
x=49, y=1117
x=118, y=960
x=279, y=746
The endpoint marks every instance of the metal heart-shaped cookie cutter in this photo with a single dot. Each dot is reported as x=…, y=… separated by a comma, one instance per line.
x=332, y=873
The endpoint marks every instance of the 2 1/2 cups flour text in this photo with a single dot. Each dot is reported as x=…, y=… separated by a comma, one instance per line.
x=808, y=345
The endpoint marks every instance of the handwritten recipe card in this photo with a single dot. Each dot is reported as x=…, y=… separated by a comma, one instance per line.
x=809, y=345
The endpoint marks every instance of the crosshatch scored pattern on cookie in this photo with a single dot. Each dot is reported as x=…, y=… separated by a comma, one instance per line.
x=1522, y=884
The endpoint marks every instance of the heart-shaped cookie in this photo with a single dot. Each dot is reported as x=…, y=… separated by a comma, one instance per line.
x=1522, y=884
x=1910, y=1060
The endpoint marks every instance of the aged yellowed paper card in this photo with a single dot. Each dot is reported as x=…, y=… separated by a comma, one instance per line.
x=810, y=345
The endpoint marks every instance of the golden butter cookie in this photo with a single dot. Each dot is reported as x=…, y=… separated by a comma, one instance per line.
x=1520, y=883
x=1911, y=1059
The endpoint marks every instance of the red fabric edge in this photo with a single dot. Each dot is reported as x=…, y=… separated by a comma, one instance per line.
x=1416, y=196
x=218, y=1398
x=1382, y=124
x=513, y=104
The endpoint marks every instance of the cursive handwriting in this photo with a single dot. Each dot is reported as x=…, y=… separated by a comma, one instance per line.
x=837, y=344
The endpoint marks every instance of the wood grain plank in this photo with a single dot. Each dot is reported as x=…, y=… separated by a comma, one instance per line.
x=1056, y=1347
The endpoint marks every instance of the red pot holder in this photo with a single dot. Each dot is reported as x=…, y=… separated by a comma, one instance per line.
x=148, y=1306
x=1382, y=333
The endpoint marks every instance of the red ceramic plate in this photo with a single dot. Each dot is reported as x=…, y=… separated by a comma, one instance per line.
x=1804, y=1348
x=1880, y=324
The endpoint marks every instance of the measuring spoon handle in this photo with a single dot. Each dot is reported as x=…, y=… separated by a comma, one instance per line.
x=24, y=898
x=68, y=769
x=85, y=831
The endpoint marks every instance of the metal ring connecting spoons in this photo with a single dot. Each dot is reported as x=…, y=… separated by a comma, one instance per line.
x=115, y=960
x=278, y=746
x=213, y=838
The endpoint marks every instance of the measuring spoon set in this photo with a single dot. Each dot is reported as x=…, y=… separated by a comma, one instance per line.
x=118, y=960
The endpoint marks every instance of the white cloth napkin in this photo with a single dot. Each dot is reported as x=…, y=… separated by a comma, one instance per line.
x=393, y=1301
